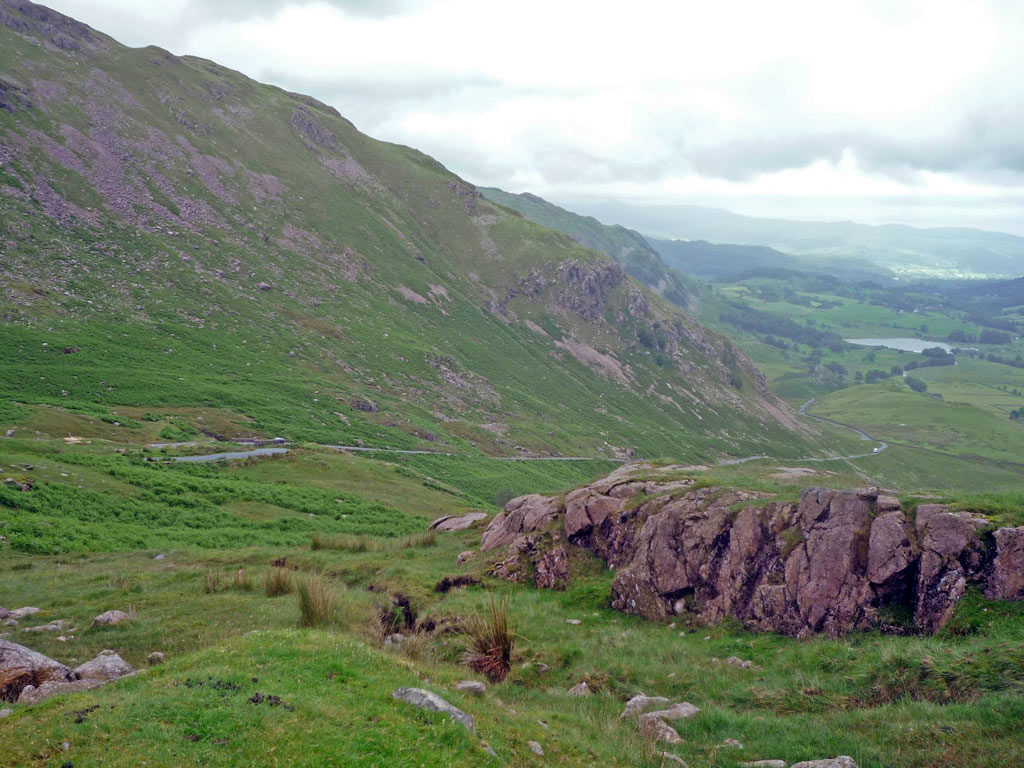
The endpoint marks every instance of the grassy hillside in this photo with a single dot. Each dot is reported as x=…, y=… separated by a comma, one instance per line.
x=180, y=239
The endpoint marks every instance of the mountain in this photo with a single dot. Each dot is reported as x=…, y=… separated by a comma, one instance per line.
x=940, y=252
x=181, y=240
x=629, y=248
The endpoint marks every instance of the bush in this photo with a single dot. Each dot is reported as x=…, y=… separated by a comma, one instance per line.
x=492, y=640
x=317, y=603
x=916, y=384
x=278, y=581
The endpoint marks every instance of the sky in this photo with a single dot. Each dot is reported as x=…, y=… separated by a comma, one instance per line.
x=906, y=111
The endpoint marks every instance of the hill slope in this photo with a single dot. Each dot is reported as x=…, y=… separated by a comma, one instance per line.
x=178, y=236
x=629, y=248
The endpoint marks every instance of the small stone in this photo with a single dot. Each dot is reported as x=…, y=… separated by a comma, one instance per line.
x=6, y=713
x=109, y=618
x=673, y=759
x=472, y=686
x=161, y=556
x=573, y=621
x=155, y=658
x=580, y=689
x=536, y=748
x=843, y=761
x=764, y=764
x=738, y=662
x=395, y=640
x=21, y=613
x=681, y=711
x=487, y=748
x=640, y=704
x=734, y=743
x=53, y=626
x=423, y=699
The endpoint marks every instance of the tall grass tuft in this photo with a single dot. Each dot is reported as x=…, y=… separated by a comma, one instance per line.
x=212, y=582
x=241, y=581
x=278, y=581
x=317, y=602
x=492, y=640
x=342, y=542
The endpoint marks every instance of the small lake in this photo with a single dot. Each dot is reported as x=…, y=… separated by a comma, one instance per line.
x=904, y=344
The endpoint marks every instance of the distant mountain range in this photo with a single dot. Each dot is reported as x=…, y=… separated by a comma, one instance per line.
x=910, y=251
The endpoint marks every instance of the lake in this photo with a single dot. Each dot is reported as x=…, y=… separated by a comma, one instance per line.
x=904, y=344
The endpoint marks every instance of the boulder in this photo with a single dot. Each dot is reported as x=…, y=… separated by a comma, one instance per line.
x=156, y=657
x=471, y=686
x=423, y=699
x=522, y=515
x=834, y=762
x=641, y=703
x=456, y=523
x=653, y=728
x=580, y=689
x=110, y=618
x=107, y=666
x=536, y=748
x=21, y=667
x=764, y=764
x=680, y=711
x=20, y=613
x=465, y=557
x=951, y=554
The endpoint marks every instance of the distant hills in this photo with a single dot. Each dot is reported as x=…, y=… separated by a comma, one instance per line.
x=910, y=251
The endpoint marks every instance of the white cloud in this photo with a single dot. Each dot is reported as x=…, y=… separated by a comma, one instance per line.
x=889, y=109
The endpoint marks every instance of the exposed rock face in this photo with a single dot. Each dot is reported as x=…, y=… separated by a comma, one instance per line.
x=21, y=667
x=830, y=562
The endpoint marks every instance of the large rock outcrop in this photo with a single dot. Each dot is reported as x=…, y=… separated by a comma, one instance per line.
x=833, y=561
x=21, y=667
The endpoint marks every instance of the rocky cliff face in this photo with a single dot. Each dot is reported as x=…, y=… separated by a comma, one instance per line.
x=832, y=562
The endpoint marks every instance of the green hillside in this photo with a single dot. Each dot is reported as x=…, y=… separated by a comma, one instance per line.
x=178, y=236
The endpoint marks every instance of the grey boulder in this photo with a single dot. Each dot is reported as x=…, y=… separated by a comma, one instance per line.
x=424, y=699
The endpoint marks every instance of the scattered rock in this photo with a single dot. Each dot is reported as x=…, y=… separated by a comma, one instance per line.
x=738, y=662
x=156, y=657
x=573, y=621
x=673, y=759
x=110, y=618
x=456, y=523
x=536, y=748
x=449, y=583
x=465, y=557
x=6, y=713
x=32, y=694
x=764, y=764
x=680, y=711
x=161, y=556
x=471, y=686
x=21, y=613
x=395, y=640
x=423, y=699
x=580, y=689
x=733, y=743
x=21, y=667
x=835, y=762
x=107, y=666
x=653, y=728
x=367, y=406
x=640, y=704
x=53, y=626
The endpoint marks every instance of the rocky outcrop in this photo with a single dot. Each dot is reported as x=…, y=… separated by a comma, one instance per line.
x=21, y=667
x=832, y=562
x=456, y=522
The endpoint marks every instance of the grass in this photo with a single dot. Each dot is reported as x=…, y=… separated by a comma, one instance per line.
x=278, y=581
x=492, y=641
x=317, y=604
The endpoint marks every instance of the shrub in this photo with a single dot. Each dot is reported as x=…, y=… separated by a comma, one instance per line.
x=492, y=640
x=317, y=603
x=278, y=581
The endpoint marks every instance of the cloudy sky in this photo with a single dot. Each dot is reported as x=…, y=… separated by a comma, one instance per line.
x=875, y=110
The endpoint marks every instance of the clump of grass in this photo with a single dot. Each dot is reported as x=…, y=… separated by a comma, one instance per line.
x=278, y=581
x=317, y=602
x=122, y=581
x=241, y=581
x=342, y=542
x=425, y=539
x=492, y=640
x=213, y=582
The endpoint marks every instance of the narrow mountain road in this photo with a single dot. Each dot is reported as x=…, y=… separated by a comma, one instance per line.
x=882, y=445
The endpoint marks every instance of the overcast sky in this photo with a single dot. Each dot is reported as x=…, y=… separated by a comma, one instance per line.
x=905, y=111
